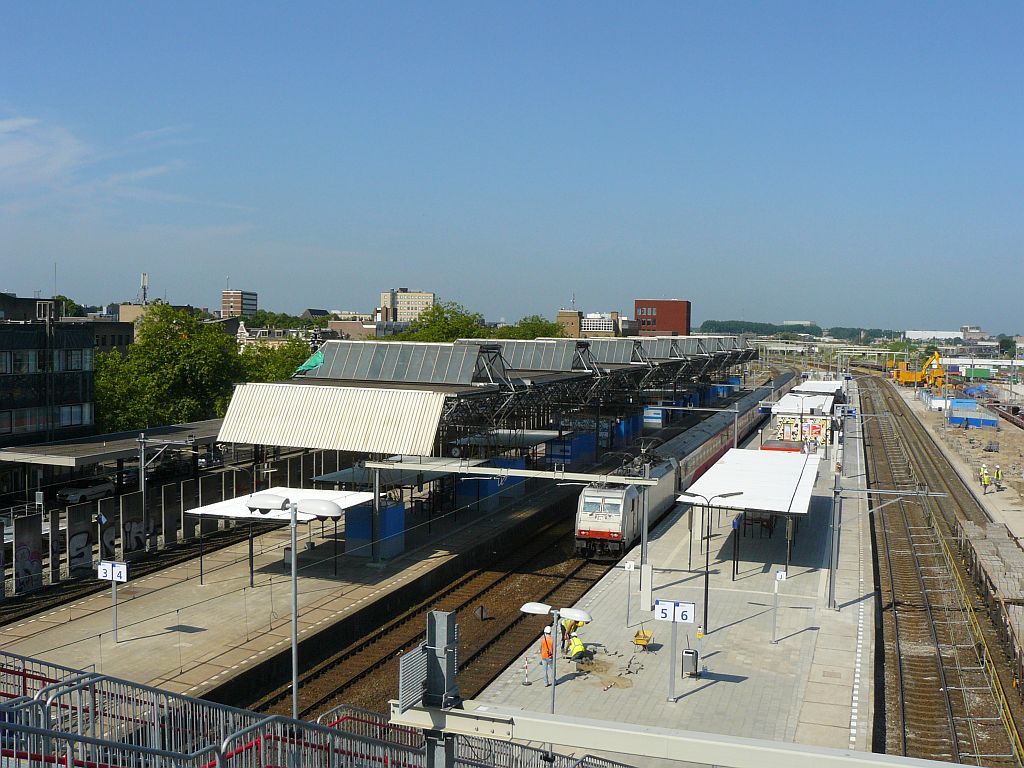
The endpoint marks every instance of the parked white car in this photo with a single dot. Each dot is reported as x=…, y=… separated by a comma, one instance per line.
x=86, y=490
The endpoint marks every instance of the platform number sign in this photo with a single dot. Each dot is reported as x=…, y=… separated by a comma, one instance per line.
x=675, y=611
x=112, y=571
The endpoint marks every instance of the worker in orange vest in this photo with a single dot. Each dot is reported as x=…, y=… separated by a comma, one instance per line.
x=547, y=652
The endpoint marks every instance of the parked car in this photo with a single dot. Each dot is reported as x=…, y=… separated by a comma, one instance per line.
x=211, y=459
x=86, y=489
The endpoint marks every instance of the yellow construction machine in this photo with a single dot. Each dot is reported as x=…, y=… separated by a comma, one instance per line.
x=932, y=374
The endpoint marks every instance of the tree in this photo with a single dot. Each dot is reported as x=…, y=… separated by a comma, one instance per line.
x=264, y=363
x=261, y=318
x=445, y=321
x=179, y=369
x=532, y=327
x=1007, y=347
x=65, y=307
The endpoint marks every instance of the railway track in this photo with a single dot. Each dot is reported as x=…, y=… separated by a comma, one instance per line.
x=492, y=630
x=40, y=601
x=943, y=687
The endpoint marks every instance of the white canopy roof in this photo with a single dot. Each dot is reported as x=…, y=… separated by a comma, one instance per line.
x=820, y=386
x=792, y=404
x=236, y=508
x=770, y=481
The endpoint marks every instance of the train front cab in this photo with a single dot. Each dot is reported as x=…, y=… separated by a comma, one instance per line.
x=602, y=530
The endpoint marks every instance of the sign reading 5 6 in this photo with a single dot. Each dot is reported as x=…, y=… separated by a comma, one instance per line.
x=674, y=611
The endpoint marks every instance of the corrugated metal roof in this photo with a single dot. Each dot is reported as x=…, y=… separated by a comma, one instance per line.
x=361, y=419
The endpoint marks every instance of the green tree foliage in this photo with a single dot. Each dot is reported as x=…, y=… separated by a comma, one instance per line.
x=264, y=363
x=1007, y=346
x=261, y=318
x=65, y=307
x=179, y=369
x=445, y=321
x=531, y=327
x=761, y=329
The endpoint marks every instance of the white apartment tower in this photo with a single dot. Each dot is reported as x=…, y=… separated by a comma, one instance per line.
x=403, y=306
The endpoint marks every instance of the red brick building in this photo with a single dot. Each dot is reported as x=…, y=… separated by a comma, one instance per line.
x=662, y=317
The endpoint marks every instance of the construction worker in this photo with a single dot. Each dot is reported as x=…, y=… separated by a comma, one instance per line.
x=999, y=477
x=547, y=653
x=567, y=627
x=577, y=650
x=984, y=481
x=982, y=472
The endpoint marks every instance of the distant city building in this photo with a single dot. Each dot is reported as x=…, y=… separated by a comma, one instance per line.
x=108, y=333
x=402, y=305
x=310, y=314
x=805, y=323
x=23, y=309
x=238, y=303
x=359, y=330
x=576, y=324
x=600, y=324
x=130, y=313
x=662, y=317
x=571, y=321
x=972, y=333
x=930, y=335
x=351, y=314
x=275, y=337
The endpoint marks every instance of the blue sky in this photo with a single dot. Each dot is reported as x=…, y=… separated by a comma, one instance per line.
x=853, y=164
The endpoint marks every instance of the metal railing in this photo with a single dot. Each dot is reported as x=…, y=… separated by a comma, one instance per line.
x=56, y=715
x=469, y=750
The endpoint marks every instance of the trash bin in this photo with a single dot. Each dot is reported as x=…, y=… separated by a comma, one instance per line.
x=690, y=663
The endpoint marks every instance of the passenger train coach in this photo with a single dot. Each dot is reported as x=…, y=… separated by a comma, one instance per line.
x=609, y=518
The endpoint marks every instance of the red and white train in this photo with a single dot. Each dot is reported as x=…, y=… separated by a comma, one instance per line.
x=609, y=518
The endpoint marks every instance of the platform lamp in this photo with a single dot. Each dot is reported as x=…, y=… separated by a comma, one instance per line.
x=707, y=545
x=321, y=508
x=543, y=609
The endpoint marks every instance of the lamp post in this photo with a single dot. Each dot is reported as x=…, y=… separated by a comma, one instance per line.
x=707, y=549
x=543, y=609
x=321, y=508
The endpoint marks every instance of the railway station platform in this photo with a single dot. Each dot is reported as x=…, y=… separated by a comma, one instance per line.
x=189, y=638
x=814, y=687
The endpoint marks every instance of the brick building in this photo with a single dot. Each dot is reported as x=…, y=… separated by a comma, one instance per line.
x=662, y=317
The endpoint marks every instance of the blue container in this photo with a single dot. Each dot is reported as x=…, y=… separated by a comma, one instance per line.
x=358, y=527
x=584, y=445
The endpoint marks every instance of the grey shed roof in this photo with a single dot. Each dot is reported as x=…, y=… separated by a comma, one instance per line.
x=563, y=355
x=398, y=361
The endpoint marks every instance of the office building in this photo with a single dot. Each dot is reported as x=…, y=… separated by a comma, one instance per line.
x=403, y=306
x=662, y=317
x=47, y=387
x=571, y=321
x=237, y=303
